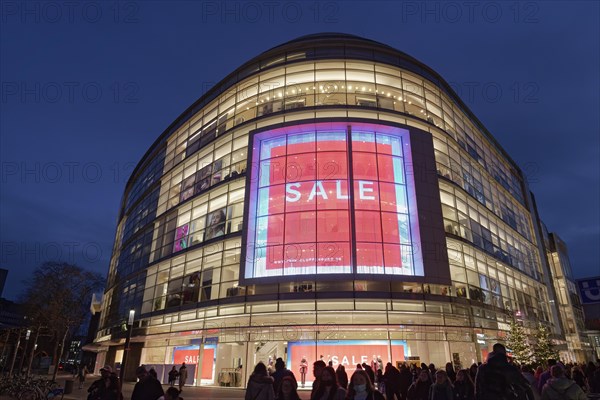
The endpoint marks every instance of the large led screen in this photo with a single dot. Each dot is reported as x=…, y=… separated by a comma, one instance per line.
x=331, y=199
x=348, y=353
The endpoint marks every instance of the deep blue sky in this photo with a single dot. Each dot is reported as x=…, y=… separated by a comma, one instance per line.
x=86, y=90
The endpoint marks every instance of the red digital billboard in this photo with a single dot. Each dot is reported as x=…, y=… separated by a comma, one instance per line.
x=348, y=353
x=331, y=201
x=190, y=355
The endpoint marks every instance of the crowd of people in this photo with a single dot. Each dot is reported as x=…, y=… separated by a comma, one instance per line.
x=147, y=387
x=496, y=379
x=499, y=378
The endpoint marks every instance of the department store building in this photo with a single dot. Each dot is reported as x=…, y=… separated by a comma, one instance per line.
x=331, y=198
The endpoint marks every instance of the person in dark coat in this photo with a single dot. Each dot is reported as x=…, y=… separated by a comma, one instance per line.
x=419, y=390
x=260, y=384
x=579, y=377
x=545, y=376
x=105, y=388
x=182, y=376
x=473, y=371
x=172, y=393
x=318, y=367
x=369, y=371
x=147, y=387
x=498, y=379
x=559, y=387
x=328, y=387
x=442, y=388
x=81, y=374
x=391, y=377
x=173, y=374
x=594, y=381
x=432, y=371
x=589, y=370
x=406, y=379
x=281, y=372
x=288, y=390
x=380, y=382
x=450, y=372
x=464, y=388
x=361, y=388
x=342, y=376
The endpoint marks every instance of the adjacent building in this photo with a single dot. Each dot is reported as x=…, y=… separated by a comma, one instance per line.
x=589, y=292
x=567, y=301
x=3, y=275
x=331, y=198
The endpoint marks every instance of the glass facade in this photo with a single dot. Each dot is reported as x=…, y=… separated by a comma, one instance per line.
x=568, y=301
x=247, y=184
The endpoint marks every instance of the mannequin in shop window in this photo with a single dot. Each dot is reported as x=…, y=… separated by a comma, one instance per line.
x=303, y=371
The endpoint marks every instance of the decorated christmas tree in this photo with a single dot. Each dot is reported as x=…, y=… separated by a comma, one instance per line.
x=543, y=350
x=518, y=345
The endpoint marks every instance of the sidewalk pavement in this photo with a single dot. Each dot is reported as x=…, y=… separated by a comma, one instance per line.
x=188, y=393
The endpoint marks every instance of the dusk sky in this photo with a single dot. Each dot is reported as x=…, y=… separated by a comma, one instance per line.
x=88, y=87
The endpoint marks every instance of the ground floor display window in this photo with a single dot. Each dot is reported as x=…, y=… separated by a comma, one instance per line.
x=229, y=364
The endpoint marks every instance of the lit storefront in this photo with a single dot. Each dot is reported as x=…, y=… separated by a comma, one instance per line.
x=331, y=198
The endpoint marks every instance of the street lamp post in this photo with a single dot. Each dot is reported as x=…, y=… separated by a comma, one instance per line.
x=127, y=340
x=14, y=358
x=4, y=348
x=32, y=354
x=27, y=335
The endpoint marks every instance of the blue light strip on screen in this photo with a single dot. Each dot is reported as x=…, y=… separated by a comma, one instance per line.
x=260, y=255
x=396, y=147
